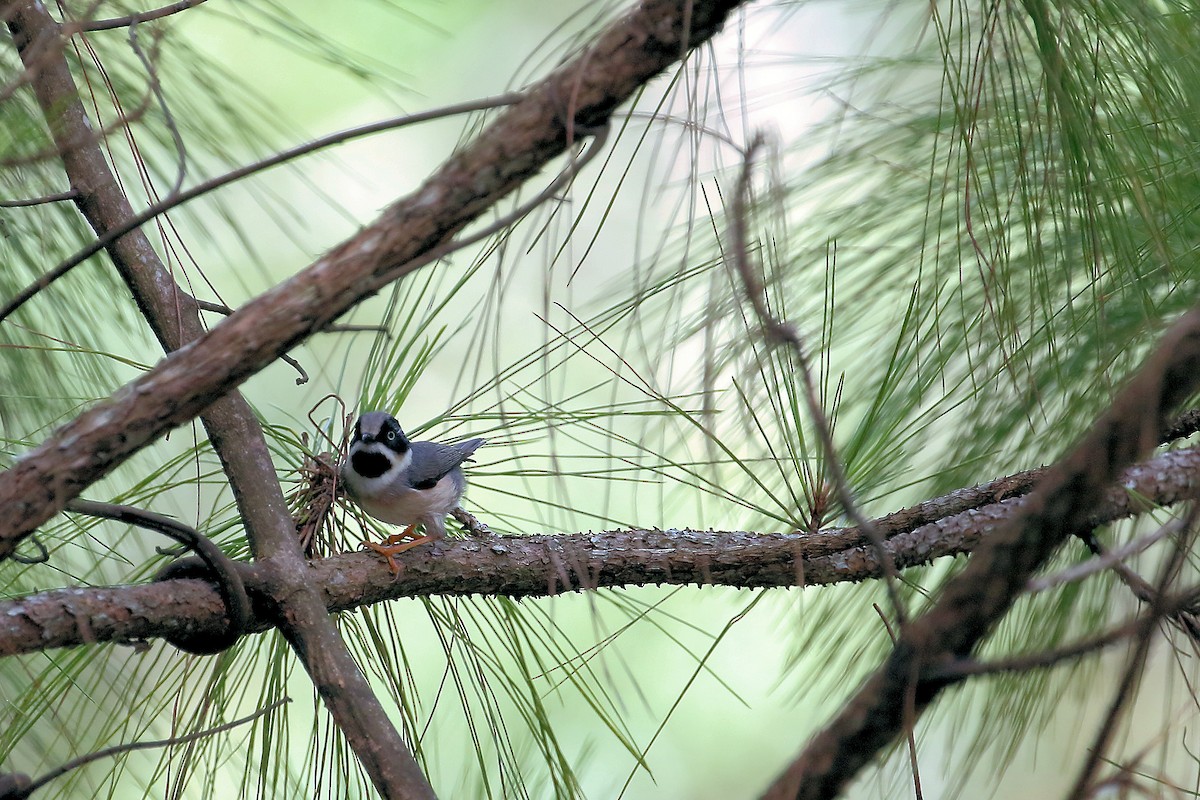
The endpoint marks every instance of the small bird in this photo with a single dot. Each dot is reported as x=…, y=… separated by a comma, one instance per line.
x=404, y=483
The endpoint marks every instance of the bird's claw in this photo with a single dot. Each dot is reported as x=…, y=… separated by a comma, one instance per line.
x=390, y=549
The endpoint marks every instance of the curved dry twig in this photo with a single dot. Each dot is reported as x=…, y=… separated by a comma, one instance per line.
x=781, y=332
x=213, y=563
x=43, y=555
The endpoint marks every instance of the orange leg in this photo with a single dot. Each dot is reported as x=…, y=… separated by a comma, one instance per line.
x=396, y=544
x=403, y=536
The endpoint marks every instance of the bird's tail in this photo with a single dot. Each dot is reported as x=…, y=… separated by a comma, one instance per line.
x=468, y=447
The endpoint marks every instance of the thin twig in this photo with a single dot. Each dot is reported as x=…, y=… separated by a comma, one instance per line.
x=130, y=747
x=1141, y=588
x=216, y=308
x=70, y=194
x=344, y=327
x=168, y=117
x=187, y=195
x=1103, y=560
x=224, y=310
x=781, y=332
x=1137, y=661
x=134, y=19
x=910, y=713
x=292, y=361
x=959, y=669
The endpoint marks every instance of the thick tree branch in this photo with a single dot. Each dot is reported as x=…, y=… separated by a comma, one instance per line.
x=582, y=94
x=579, y=95
x=542, y=565
x=232, y=426
x=972, y=602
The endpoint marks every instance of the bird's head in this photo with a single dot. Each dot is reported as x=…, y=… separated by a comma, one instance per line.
x=378, y=445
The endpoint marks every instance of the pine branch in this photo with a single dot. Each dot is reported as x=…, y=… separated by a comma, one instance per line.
x=548, y=564
x=232, y=427
x=202, y=369
x=577, y=97
x=971, y=604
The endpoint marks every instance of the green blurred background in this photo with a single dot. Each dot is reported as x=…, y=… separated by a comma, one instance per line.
x=603, y=348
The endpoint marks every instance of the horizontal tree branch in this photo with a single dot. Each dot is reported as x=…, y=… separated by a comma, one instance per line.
x=542, y=565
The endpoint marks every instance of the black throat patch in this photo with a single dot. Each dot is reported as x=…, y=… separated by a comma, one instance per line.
x=370, y=464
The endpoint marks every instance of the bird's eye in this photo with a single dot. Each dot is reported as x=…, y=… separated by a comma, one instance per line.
x=391, y=436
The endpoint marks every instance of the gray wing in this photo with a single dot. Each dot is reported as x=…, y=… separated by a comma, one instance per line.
x=431, y=461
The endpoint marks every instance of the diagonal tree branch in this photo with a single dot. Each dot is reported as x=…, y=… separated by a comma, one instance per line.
x=542, y=565
x=972, y=602
x=231, y=424
x=578, y=96
x=516, y=147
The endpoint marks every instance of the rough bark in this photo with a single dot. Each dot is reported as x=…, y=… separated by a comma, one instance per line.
x=972, y=603
x=202, y=369
x=232, y=426
x=543, y=565
x=579, y=95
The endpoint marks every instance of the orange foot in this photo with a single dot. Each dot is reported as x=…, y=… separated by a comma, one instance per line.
x=396, y=544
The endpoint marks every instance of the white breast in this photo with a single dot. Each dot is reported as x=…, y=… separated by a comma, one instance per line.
x=389, y=500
